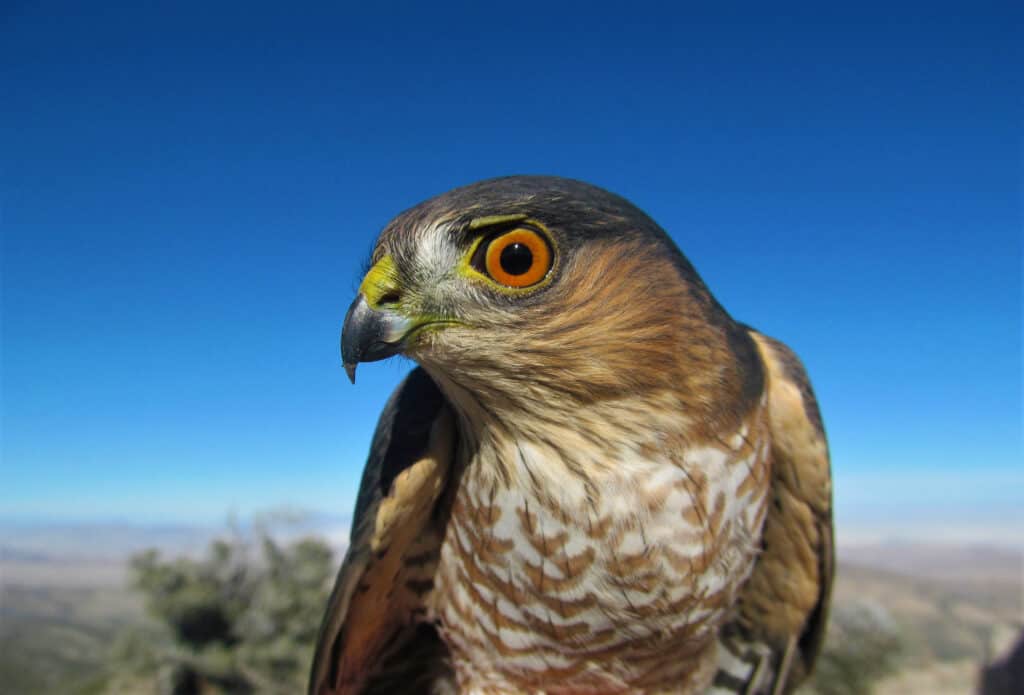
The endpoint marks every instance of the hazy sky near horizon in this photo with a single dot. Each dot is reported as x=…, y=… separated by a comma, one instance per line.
x=188, y=192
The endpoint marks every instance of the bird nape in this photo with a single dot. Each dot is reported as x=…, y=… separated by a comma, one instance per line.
x=595, y=481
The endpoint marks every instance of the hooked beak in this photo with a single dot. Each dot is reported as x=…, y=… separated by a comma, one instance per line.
x=370, y=334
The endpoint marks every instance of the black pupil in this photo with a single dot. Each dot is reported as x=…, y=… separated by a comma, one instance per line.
x=516, y=258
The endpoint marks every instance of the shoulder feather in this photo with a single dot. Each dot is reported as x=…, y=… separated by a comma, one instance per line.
x=390, y=561
x=784, y=604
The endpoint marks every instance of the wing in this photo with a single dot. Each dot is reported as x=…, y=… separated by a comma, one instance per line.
x=783, y=607
x=370, y=623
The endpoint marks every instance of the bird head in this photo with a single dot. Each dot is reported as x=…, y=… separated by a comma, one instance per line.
x=525, y=287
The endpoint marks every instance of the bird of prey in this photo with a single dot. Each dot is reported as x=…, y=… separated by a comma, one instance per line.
x=594, y=481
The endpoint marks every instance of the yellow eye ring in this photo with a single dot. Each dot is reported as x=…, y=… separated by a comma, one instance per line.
x=518, y=258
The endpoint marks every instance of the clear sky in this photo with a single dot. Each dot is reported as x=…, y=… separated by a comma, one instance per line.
x=188, y=191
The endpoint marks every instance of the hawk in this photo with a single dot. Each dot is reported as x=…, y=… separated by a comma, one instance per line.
x=594, y=481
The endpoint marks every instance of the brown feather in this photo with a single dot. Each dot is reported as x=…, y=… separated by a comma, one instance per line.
x=389, y=564
x=785, y=601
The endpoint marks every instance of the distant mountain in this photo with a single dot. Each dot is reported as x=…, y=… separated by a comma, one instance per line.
x=939, y=562
x=118, y=540
x=97, y=540
x=18, y=555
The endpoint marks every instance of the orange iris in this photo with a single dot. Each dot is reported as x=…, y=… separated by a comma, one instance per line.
x=519, y=258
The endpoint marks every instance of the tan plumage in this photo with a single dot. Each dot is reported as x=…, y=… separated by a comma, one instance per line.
x=784, y=604
x=596, y=482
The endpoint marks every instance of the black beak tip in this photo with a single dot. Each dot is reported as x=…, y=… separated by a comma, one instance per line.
x=350, y=369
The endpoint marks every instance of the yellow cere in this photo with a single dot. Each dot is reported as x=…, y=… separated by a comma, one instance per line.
x=381, y=280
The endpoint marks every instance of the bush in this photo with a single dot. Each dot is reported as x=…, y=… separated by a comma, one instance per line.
x=862, y=646
x=241, y=620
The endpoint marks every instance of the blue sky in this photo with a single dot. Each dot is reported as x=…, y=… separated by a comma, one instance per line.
x=188, y=191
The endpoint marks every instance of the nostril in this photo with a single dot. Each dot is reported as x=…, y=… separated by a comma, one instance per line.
x=389, y=298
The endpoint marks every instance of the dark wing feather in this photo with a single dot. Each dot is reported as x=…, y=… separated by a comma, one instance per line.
x=402, y=433
x=394, y=542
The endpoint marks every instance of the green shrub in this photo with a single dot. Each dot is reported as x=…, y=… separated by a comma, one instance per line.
x=243, y=619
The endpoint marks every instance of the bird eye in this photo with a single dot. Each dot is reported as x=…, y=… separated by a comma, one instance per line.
x=518, y=258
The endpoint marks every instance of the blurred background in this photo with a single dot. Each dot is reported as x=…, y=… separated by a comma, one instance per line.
x=189, y=191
